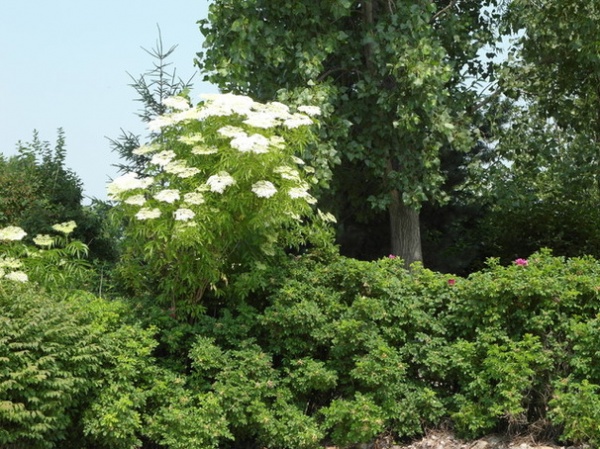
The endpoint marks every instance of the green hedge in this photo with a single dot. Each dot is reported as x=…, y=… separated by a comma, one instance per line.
x=312, y=350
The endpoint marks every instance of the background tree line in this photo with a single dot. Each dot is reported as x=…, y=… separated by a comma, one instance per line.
x=259, y=324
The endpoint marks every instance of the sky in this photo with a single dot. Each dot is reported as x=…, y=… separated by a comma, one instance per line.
x=65, y=64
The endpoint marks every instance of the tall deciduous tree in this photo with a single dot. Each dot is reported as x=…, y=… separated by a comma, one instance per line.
x=545, y=170
x=390, y=75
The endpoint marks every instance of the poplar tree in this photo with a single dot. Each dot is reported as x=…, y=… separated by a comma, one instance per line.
x=393, y=78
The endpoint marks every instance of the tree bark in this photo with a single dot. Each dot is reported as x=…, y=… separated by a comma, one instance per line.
x=405, y=231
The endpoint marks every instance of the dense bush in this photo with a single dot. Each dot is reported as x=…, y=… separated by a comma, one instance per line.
x=356, y=349
x=75, y=373
x=305, y=350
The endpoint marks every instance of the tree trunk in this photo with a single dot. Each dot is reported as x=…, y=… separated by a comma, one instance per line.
x=405, y=231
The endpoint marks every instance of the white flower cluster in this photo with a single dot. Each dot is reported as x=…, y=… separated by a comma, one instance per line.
x=13, y=274
x=127, y=182
x=256, y=115
x=251, y=116
x=12, y=233
x=65, y=228
x=43, y=240
x=177, y=103
x=219, y=182
x=264, y=189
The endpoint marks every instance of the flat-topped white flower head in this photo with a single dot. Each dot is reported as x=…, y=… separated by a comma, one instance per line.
x=146, y=149
x=129, y=181
x=12, y=233
x=146, y=213
x=191, y=139
x=287, y=172
x=310, y=110
x=163, y=158
x=264, y=189
x=160, y=122
x=167, y=195
x=43, y=240
x=301, y=192
x=177, y=103
x=16, y=276
x=65, y=228
x=225, y=105
x=193, y=198
x=135, y=200
x=326, y=216
x=262, y=120
x=231, y=131
x=297, y=120
x=183, y=214
x=10, y=262
x=256, y=143
x=181, y=169
x=219, y=182
x=202, y=150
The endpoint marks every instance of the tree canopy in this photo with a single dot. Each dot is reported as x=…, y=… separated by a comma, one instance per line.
x=392, y=74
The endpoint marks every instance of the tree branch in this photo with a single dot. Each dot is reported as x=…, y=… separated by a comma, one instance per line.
x=442, y=11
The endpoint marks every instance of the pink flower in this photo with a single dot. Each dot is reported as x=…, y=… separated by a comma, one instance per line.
x=451, y=281
x=521, y=262
x=392, y=256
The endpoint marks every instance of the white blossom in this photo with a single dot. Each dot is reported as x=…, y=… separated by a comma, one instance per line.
x=181, y=169
x=190, y=114
x=16, y=276
x=301, y=192
x=135, y=200
x=264, y=189
x=201, y=150
x=263, y=120
x=184, y=214
x=127, y=182
x=276, y=108
x=147, y=213
x=167, y=195
x=12, y=233
x=43, y=240
x=178, y=103
x=191, y=139
x=256, y=143
x=310, y=110
x=145, y=149
x=226, y=104
x=326, y=216
x=160, y=122
x=231, y=131
x=297, y=120
x=219, y=182
x=277, y=142
x=163, y=158
x=287, y=172
x=297, y=160
x=10, y=262
x=193, y=198
x=65, y=228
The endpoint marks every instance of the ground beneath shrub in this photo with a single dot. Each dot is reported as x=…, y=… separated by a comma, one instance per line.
x=445, y=440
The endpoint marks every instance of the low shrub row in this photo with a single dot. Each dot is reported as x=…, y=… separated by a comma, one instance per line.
x=314, y=349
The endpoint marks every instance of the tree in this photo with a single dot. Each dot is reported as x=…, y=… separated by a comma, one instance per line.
x=152, y=88
x=389, y=75
x=39, y=191
x=541, y=181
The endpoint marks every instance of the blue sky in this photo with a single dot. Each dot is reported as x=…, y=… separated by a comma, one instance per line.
x=65, y=63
